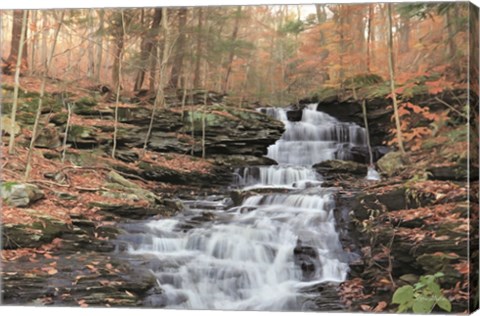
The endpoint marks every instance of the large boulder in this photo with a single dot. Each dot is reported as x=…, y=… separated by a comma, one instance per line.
x=392, y=163
x=20, y=194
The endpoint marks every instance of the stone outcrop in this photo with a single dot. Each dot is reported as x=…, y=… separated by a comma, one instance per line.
x=20, y=194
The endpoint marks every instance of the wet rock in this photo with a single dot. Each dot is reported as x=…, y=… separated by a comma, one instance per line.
x=392, y=200
x=294, y=115
x=392, y=163
x=332, y=167
x=360, y=154
x=306, y=258
x=20, y=194
x=136, y=212
x=243, y=160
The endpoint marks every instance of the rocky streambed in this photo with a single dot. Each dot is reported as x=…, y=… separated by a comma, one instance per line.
x=375, y=236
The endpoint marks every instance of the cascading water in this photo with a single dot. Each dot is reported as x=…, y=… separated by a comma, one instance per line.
x=265, y=253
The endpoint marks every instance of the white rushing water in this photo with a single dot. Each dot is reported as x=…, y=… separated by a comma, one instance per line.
x=261, y=254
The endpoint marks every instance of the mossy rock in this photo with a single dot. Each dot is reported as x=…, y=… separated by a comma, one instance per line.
x=78, y=132
x=43, y=230
x=26, y=118
x=59, y=118
x=441, y=262
x=457, y=172
x=392, y=163
x=85, y=158
x=362, y=80
x=20, y=194
x=87, y=101
x=340, y=166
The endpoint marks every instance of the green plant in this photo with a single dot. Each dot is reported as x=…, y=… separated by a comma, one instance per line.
x=422, y=297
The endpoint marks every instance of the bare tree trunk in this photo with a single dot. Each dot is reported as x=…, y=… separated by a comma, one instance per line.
x=153, y=67
x=120, y=42
x=146, y=48
x=160, y=96
x=44, y=37
x=365, y=121
x=98, y=65
x=232, y=50
x=91, y=47
x=197, y=78
x=48, y=63
x=67, y=128
x=34, y=41
x=404, y=34
x=392, y=80
x=369, y=34
x=16, y=35
x=11, y=142
x=118, y=81
x=180, y=50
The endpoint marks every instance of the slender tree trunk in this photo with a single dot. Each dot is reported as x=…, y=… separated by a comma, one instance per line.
x=146, y=48
x=153, y=67
x=341, y=72
x=391, y=67
x=120, y=42
x=48, y=63
x=118, y=81
x=232, y=50
x=198, y=59
x=98, y=65
x=404, y=34
x=67, y=128
x=44, y=37
x=160, y=96
x=180, y=49
x=11, y=143
x=91, y=47
x=369, y=35
x=16, y=35
x=34, y=41
x=365, y=121
x=244, y=85
x=452, y=47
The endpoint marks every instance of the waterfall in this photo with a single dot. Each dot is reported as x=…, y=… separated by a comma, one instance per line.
x=263, y=254
x=316, y=138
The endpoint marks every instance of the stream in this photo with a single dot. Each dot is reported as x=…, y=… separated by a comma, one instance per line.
x=278, y=250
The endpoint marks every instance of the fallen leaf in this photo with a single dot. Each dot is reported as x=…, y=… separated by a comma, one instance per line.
x=380, y=306
x=365, y=308
x=52, y=271
x=129, y=294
